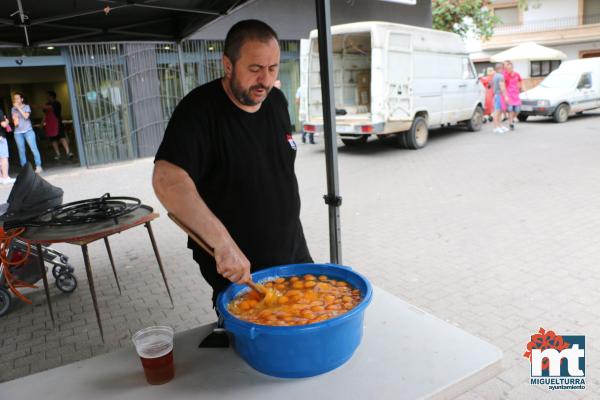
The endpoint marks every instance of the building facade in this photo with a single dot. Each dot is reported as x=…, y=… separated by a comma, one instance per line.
x=571, y=26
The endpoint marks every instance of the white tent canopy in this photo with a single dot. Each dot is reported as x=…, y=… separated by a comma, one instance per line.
x=529, y=51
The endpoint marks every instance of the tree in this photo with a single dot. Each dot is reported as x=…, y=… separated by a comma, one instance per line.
x=462, y=16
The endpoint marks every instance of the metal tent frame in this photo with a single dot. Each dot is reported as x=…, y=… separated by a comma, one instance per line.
x=37, y=23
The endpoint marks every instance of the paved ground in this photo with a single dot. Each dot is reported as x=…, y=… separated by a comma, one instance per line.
x=495, y=233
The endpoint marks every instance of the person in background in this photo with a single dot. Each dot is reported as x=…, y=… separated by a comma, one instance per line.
x=53, y=125
x=500, y=98
x=513, y=88
x=486, y=81
x=5, y=179
x=24, y=131
x=311, y=135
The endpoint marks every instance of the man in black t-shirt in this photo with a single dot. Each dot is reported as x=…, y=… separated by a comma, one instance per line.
x=56, y=127
x=225, y=166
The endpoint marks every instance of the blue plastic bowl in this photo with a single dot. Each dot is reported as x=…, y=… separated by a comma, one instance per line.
x=298, y=351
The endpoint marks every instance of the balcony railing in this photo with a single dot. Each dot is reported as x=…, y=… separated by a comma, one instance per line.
x=552, y=24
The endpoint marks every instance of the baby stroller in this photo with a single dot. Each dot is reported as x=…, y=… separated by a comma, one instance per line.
x=19, y=262
x=24, y=271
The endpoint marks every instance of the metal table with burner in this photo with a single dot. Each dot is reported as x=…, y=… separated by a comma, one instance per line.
x=84, y=234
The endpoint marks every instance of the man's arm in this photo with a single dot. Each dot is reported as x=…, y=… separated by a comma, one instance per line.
x=520, y=84
x=177, y=192
x=503, y=90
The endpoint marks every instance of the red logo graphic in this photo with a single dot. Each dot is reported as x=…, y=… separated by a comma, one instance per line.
x=291, y=141
x=545, y=340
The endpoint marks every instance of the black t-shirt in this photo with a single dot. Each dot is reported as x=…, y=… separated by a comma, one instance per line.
x=243, y=167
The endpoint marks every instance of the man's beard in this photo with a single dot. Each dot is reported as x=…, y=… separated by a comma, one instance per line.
x=242, y=95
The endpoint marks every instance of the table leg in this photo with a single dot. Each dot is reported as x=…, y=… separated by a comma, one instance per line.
x=160, y=266
x=88, y=271
x=112, y=263
x=40, y=253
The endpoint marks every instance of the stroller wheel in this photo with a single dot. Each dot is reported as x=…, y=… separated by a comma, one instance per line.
x=5, y=301
x=66, y=282
x=56, y=270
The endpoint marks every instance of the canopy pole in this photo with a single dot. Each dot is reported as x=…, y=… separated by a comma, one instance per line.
x=22, y=16
x=332, y=198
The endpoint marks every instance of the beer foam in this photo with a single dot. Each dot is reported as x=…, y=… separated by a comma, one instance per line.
x=154, y=346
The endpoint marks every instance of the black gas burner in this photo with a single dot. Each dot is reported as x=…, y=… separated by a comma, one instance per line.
x=87, y=211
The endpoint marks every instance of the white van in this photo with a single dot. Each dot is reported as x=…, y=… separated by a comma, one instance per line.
x=574, y=87
x=392, y=79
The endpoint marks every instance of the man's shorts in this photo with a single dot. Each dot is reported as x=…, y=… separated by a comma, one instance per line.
x=513, y=108
x=498, y=103
x=61, y=135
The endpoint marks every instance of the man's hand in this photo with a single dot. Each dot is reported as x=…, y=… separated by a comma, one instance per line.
x=4, y=123
x=232, y=264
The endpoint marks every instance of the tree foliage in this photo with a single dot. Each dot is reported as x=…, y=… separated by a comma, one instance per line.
x=462, y=16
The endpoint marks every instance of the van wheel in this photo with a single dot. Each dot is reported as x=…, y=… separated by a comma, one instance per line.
x=416, y=137
x=561, y=114
x=356, y=142
x=474, y=124
x=522, y=117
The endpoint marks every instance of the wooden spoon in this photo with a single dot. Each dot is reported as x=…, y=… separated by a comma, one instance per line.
x=209, y=250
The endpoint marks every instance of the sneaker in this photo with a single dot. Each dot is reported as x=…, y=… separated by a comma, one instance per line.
x=71, y=156
x=504, y=129
x=512, y=127
x=57, y=157
x=498, y=130
x=38, y=169
x=7, y=181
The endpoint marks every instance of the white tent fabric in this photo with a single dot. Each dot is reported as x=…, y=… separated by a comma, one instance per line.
x=529, y=51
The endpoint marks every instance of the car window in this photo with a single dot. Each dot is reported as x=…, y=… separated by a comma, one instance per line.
x=467, y=69
x=585, y=81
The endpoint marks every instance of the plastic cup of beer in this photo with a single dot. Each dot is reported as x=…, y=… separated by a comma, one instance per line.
x=154, y=345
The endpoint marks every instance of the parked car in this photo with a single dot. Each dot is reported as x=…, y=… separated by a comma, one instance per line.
x=392, y=79
x=572, y=88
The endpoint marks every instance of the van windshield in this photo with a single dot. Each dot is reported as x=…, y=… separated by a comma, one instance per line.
x=559, y=81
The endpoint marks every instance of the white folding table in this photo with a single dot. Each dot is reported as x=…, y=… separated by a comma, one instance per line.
x=405, y=354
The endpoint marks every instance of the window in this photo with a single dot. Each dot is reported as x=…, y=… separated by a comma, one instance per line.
x=543, y=68
x=482, y=67
x=585, y=82
x=591, y=12
x=509, y=14
x=467, y=69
